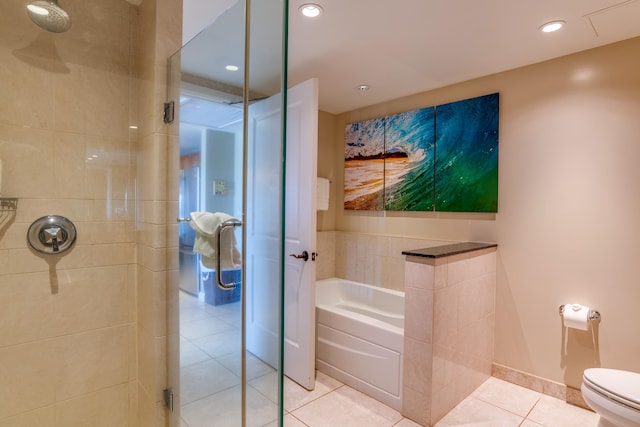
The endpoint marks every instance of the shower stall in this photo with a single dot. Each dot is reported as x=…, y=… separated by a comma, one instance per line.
x=91, y=336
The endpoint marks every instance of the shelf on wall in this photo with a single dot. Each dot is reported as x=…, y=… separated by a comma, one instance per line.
x=8, y=204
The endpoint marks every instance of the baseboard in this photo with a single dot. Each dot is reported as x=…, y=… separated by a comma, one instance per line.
x=560, y=391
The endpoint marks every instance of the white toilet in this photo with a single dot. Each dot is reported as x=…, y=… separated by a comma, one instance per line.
x=614, y=395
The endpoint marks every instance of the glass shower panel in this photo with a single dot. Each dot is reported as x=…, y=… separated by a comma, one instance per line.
x=222, y=381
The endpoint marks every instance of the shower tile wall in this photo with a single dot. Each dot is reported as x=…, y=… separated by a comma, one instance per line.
x=368, y=258
x=68, y=330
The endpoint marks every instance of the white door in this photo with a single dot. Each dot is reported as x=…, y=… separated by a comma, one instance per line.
x=263, y=232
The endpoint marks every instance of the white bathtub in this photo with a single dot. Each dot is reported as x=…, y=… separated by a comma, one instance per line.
x=360, y=332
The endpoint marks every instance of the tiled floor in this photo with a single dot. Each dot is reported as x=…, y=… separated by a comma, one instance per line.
x=210, y=388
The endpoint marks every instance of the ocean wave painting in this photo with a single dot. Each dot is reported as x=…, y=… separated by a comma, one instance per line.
x=442, y=158
x=364, y=165
x=466, y=155
x=408, y=172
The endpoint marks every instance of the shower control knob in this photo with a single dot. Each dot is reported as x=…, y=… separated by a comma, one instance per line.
x=51, y=234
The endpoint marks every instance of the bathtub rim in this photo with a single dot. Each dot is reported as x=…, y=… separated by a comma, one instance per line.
x=358, y=317
x=376, y=287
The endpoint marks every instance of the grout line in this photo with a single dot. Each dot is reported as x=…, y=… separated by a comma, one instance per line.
x=317, y=398
x=526, y=418
x=299, y=420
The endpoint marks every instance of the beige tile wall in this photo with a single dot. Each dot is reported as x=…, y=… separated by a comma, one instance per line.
x=449, y=331
x=67, y=336
x=70, y=346
x=372, y=259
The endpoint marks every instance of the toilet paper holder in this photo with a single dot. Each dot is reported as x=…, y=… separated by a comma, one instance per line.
x=594, y=315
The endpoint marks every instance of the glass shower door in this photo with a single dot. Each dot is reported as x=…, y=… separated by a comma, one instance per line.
x=187, y=203
x=221, y=382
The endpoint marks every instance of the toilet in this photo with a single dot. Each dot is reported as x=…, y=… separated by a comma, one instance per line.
x=614, y=395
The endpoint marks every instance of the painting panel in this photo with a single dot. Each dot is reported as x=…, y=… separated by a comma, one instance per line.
x=409, y=161
x=466, y=155
x=364, y=165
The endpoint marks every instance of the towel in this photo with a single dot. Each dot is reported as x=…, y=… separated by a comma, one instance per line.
x=205, y=224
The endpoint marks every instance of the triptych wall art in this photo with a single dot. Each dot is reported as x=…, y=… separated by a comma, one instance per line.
x=442, y=158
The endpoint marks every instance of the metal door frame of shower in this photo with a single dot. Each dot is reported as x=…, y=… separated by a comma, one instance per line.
x=245, y=146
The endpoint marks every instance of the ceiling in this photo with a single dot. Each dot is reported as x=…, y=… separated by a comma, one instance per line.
x=399, y=47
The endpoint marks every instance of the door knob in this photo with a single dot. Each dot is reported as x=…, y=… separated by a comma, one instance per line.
x=304, y=255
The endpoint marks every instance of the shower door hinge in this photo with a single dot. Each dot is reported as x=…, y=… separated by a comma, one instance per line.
x=168, y=398
x=169, y=112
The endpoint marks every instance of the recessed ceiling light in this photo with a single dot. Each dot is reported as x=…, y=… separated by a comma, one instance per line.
x=310, y=10
x=362, y=88
x=552, y=26
x=231, y=68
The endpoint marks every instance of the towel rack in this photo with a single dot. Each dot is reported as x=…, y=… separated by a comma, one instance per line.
x=183, y=219
x=228, y=223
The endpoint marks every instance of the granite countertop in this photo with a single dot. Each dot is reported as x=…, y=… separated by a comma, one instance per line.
x=448, y=250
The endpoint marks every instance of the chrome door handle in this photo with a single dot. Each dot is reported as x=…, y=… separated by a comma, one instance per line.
x=304, y=255
x=228, y=223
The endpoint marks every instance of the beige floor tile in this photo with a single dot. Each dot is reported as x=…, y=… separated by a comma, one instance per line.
x=289, y=421
x=506, y=395
x=296, y=396
x=552, y=412
x=204, y=327
x=204, y=379
x=191, y=314
x=218, y=345
x=474, y=412
x=267, y=385
x=528, y=423
x=405, y=422
x=223, y=410
x=190, y=354
x=255, y=367
x=346, y=407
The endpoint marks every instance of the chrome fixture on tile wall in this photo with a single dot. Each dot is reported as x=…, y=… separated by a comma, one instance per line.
x=48, y=15
x=51, y=234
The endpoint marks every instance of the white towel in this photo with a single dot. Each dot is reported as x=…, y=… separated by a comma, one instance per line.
x=205, y=224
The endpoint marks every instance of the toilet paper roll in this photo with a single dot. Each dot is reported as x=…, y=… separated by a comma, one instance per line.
x=576, y=316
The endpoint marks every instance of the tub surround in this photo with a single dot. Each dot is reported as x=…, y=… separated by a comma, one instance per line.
x=374, y=259
x=448, y=250
x=449, y=326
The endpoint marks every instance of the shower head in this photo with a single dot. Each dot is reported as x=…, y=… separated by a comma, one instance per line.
x=48, y=15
